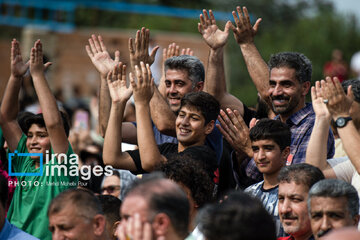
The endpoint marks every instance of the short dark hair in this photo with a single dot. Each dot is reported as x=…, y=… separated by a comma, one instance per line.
x=301, y=173
x=191, y=173
x=192, y=65
x=38, y=119
x=271, y=129
x=87, y=205
x=335, y=188
x=111, y=207
x=240, y=216
x=164, y=196
x=355, y=87
x=203, y=102
x=293, y=60
x=4, y=189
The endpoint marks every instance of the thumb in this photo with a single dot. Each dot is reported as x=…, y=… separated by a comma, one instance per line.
x=153, y=52
x=227, y=27
x=48, y=64
x=256, y=25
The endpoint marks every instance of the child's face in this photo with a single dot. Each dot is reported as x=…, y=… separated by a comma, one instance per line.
x=190, y=126
x=38, y=140
x=268, y=157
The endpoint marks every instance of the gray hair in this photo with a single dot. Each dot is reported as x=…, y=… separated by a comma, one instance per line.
x=335, y=188
x=192, y=65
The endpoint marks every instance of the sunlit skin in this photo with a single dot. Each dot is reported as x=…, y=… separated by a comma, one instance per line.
x=293, y=210
x=66, y=224
x=112, y=181
x=190, y=127
x=177, y=85
x=38, y=141
x=286, y=92
x=330, y=213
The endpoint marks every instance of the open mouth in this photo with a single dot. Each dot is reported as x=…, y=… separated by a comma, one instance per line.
x=184, y=131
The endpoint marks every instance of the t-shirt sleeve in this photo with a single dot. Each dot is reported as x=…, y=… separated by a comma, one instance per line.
x=135, y=155
x=343, y=168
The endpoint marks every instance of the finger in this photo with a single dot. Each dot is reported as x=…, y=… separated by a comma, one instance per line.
x=102, y=45
x=92, y=44
x=147, y=39
x=227, y=27
x=246, y=18
x=200, y=28
x=257, y=24
x=202, y=20
x=143, y=39
x=32, y=55
x=147, y=231
x=191, y=53
x=137, y=41
x=350, y=93
x=138, y=75
x=313, y=94
x=177, y=50
x=230, y=126
x=129, y=226
x=131, y=46
x=48, y=64
x=241, y=17
x=121, y=235
x=123, y=73
x=132, y=80
x=338, y=87
x=89, y=52
x=117, y=56
x=137, y=228
x=153, y=52
x=224, y=133
x=96, y=43
x=109, y=78
x=240, y=120
x=212, y=18
x=253, y=122
x=236, y=19
x=206, y=17
x=144, y=72
x=317, y=89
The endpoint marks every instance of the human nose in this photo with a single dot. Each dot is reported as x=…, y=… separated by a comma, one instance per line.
x=325, y=224
x=261, y=154
x=284, y=207
x=33, y=140
x=278, y=90
x=57, y=235
x=185, y=120
x=173, y=88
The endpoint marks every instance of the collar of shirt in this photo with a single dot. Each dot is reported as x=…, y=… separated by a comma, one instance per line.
x=300, y=115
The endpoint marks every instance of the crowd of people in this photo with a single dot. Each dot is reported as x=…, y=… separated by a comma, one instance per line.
x=183, y=158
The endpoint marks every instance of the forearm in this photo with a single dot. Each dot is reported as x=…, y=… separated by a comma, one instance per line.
x=215, y=83
x=257, y=68
x=104, y=106
x=350, y=138
x=161, y=114
x=317, y=147
x=10, y=102
x=149, y=152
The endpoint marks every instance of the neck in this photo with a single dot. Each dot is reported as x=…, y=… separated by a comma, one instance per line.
x=183, y=146
x=304, y=236
x=270, y=180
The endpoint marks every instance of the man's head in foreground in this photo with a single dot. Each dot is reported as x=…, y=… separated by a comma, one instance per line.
x=160, y=202
x=332, y=204
x=76, y=214
x=295, y=182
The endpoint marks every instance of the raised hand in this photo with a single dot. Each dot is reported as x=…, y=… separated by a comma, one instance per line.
x=244, y=32
x=235, y=131
x=144, y=87
x=139, y=52
x=116, y=80
x=212, y=35
x=339, y=103
x=36, y=60
x=317, y=98
x=100, y=57
x=18, y=67
x=134, y=229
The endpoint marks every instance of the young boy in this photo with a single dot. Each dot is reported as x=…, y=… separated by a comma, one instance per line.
x=45, y=133
x=270, y=141
x=195, y=120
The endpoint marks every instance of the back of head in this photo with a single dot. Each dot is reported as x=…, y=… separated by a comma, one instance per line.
x=87, y=205
x=111, y=207
x=164, y=196
x=203, y=102
x=301, y=173
x=335, y=188
x=293, y=60
x=192, y=65
x=237, y=217
x=355, y=86
x=191, y=173
x=274, y=130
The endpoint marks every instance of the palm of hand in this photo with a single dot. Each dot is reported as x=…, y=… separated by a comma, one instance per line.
x=214, y=37
x=119, y=91
x=103, y=62
x=320, y=108
x=18, y=67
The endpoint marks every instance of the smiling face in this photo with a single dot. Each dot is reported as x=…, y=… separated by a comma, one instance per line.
x=38, y=140
x=329, y=213
x=293, y=209
x=286, y=92
x=190, y=127
x=177, y=84
x=268, y=157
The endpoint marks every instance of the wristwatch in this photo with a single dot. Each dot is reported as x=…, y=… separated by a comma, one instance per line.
x=342, y=121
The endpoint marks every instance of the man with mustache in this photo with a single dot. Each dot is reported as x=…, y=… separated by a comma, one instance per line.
x=283, y=84
x=295, y=182
x=332, y=204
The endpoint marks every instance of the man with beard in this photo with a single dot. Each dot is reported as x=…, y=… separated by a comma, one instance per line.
x=332, y=204
x=295, y=182
x=283, y=84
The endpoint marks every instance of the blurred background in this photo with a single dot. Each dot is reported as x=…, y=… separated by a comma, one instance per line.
x=313, y=27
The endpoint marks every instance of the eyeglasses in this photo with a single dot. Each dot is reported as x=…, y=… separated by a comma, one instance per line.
x=110, y=189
